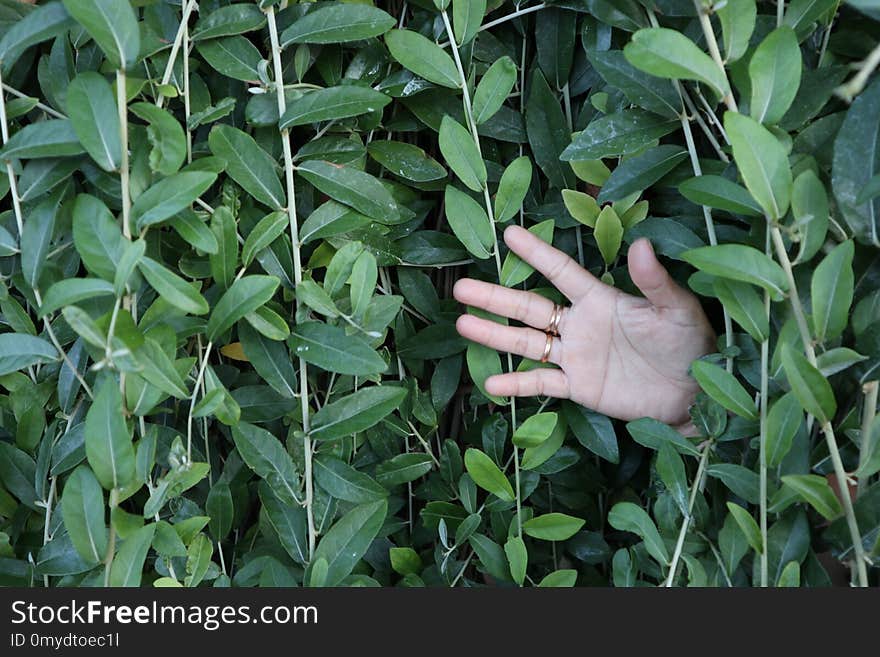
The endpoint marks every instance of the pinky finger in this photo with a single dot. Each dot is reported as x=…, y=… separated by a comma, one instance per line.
x=540, y=382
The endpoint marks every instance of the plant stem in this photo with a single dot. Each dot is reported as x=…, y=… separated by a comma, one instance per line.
x=48, y=110
x=868, y=413
x=685, y=523
x=497, y=251
x=797, y=308
x=780, y=12
x=714, y=52
x=10, y=173
x=297, y=271
x=846, y=501
x=178, y=40
x=122, y=107
x=499, y=21
x=854, y=87
x=762, y=445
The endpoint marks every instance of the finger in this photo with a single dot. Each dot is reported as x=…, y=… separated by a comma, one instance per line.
x=567, y=275
x=652, y=278
x=526, y=307
x=521, y=341
x=539, y=382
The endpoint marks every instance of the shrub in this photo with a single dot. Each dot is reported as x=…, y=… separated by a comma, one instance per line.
x=229, y=354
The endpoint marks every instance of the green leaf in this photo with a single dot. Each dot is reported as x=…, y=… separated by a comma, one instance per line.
x=816, y=491
x=333, y=103
x=515, y=270
x=582, y=207
x=233, y=56
x=267, y=230
x=406, y=160
x=225, y=259
x=831, y=292
x=553, y=526
x=128, y=565
x=198, y=559
x=518, y=558
x=82, y=503
x=270, y=359
x=747, y=526
x=113, y=25
x=97, y=236
x=592, y=430
x=356, y=412
x=44, y=22
x=720, y=193
x=131, y=256
x=737, y=19
x=354, y=188
x=669, y=54
x=642, y=89
x=50, y=138
x=403, y=468
x=670, y=467
x=108, y=439
x=740, y=263
x=172, y=288
x=423, y=57
x=338, y=23
x=248, y=164
x=637, y=173
x=158, y=369
x=762, y=163
x=166, y=138
x=233, y=19
x=169, y=196
x=70, y=291
x=95, y=119
x=723, y=387
x=559, y=578
x=512, y=188
x=288, y=520
x=775, y=73
x=461, y=154
x=809, y=207
x=345, y=483
x=331, y=349
x=856, y=146
x=266, y=456
x=243, y=297
x=744, y=305
x=809, y=386
x=535, y=429
x=739, y=479
x=628, y=517
x=652, y=433
x=548, y=132
x=348, y=539
x=790, y=577
x=469, y=222
x=36, y=237
x=799, y=14
x=487, y=475
x=467, y=16
x=405, y=560
x=783, y=421
x=626, y=132
x=494, y=88
x=608, y=233
x=219, y=506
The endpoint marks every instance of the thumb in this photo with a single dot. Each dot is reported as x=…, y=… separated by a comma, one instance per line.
x=652, y=278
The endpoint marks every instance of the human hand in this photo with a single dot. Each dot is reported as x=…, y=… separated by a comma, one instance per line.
x=621, y=355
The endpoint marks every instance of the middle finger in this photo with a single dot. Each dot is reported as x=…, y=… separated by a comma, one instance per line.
x=522, y=341
x=526, y=307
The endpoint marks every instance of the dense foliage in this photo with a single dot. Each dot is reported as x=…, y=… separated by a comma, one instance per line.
x=227, y=246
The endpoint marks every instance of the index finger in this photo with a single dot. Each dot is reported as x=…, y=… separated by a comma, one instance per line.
x=560, y=269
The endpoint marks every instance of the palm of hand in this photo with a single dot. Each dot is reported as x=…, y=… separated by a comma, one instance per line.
x=621, y=355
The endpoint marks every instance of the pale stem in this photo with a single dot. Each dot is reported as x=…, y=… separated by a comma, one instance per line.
x=846, y=501
x=122, y=107
x=178, y=40
x=868, y=413
x=489, y=212
x=192, y=402
x=48, y=110
x=762, y=444
x=797, y=308
x=51, y=333
x=10, y=173
x=186, y=103
x=714, y=52
x=297, y=271
x=854, y=87
x=685, y=523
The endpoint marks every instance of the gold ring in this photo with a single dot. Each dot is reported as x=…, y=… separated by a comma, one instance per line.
x=555, y=318
x=547, y=347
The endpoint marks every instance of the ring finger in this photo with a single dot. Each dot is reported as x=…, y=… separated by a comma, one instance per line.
x=526, y=307
x=521, y=341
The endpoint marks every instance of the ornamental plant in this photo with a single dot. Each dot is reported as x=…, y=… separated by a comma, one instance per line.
x=228, y=240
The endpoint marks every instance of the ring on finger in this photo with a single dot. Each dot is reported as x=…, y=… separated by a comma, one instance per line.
x=548, y=346
x=555, y=318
